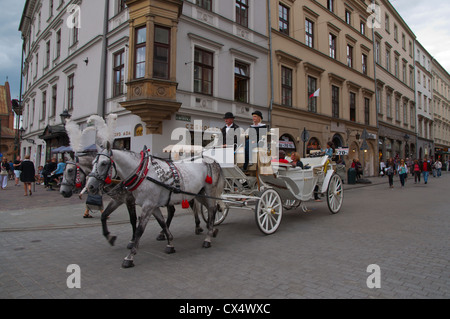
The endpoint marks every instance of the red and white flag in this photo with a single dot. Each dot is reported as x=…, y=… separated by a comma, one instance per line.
x=315, y=94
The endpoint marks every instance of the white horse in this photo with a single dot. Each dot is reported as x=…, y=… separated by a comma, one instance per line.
x=156, y=183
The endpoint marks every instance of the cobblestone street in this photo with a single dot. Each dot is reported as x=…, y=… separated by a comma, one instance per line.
x=312, y=255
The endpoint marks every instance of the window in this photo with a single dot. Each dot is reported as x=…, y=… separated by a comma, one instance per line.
x=70, y=91
x=330, y=5
x=309, y=33
x=120, y=6
x=47, y=54
x=58, y=43
x=161, y=56
x=352, y=107
x=286, y=86
x=405, y=113
x=140, y=49
x=205, y=4
x=348, y=17
x=349, y=56
x=366, y=111
x=362, y=27
x=397, y=110
x=396, y=66
x=44, y=105
x=283, y=19
x=388, y=60
x=388, y=106
x=312, y=87
x=241, y=82
x=118, y=71
x=54, y=99
x=332, y=43
x=242, y=12
x=335, y=101
x=364, y=63
x=75, y=31
x=387, y=24
x=203, y=71
x=50, y=8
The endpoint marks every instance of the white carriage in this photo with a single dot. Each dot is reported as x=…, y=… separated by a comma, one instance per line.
x=269, y=187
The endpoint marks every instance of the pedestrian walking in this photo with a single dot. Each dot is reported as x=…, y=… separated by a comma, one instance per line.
x=4, y=173
x=402, y=172
x=438, y=166
x=27, y=174
x=16, y=165
x=417, y=171
x=426, y=169
x=390, y=171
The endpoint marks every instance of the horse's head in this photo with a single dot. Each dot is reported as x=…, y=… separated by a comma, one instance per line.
x=73, y=178
x=102, y=167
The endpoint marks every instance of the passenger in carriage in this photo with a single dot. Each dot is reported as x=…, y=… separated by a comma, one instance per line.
x=229, y=134
x=281, y=158
x=330, y=149
x=296, y=162
x=253, y=135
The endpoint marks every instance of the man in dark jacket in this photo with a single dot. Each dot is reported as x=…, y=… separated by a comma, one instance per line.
x=48, y=168
x=229, y=135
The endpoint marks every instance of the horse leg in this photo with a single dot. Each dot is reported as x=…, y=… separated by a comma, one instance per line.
x=212, y=232
x=170, y=214
x=160, y=219
x=195, y=206
x=128, y=262
x=112, y=206
x=131, y=206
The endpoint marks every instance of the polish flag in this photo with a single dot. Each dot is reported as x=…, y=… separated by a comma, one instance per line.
x=315, y=94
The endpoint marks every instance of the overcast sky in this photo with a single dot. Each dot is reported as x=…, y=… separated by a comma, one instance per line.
x=429, y=20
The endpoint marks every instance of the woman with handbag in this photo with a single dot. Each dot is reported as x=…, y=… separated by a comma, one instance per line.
x=390, y=171
x=4, y=173
x=27, y=174
x=402, y=172
x=92, y=202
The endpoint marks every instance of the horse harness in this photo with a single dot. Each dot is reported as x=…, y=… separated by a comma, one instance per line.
x=77, y=181
x=138, y=176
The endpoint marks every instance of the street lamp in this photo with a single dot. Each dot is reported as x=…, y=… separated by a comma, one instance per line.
x=64, y=116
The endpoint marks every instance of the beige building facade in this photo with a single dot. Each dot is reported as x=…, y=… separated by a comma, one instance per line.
x=441, y=109
x=323, y=78
x=394, y=57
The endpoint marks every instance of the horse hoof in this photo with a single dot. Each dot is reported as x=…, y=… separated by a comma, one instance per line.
x=170, y=250
x=206, y=244
x=161, y=237
x=112, y=240
x=127, y=264
x=130, y=245
x=215, y=232
x=198, y=231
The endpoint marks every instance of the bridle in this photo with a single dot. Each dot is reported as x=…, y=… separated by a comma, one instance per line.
x=77, y=180
x=105, y=178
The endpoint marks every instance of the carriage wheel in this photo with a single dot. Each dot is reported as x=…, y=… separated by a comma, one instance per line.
x=220, y=215
x=268, y=211
x=335, y=194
